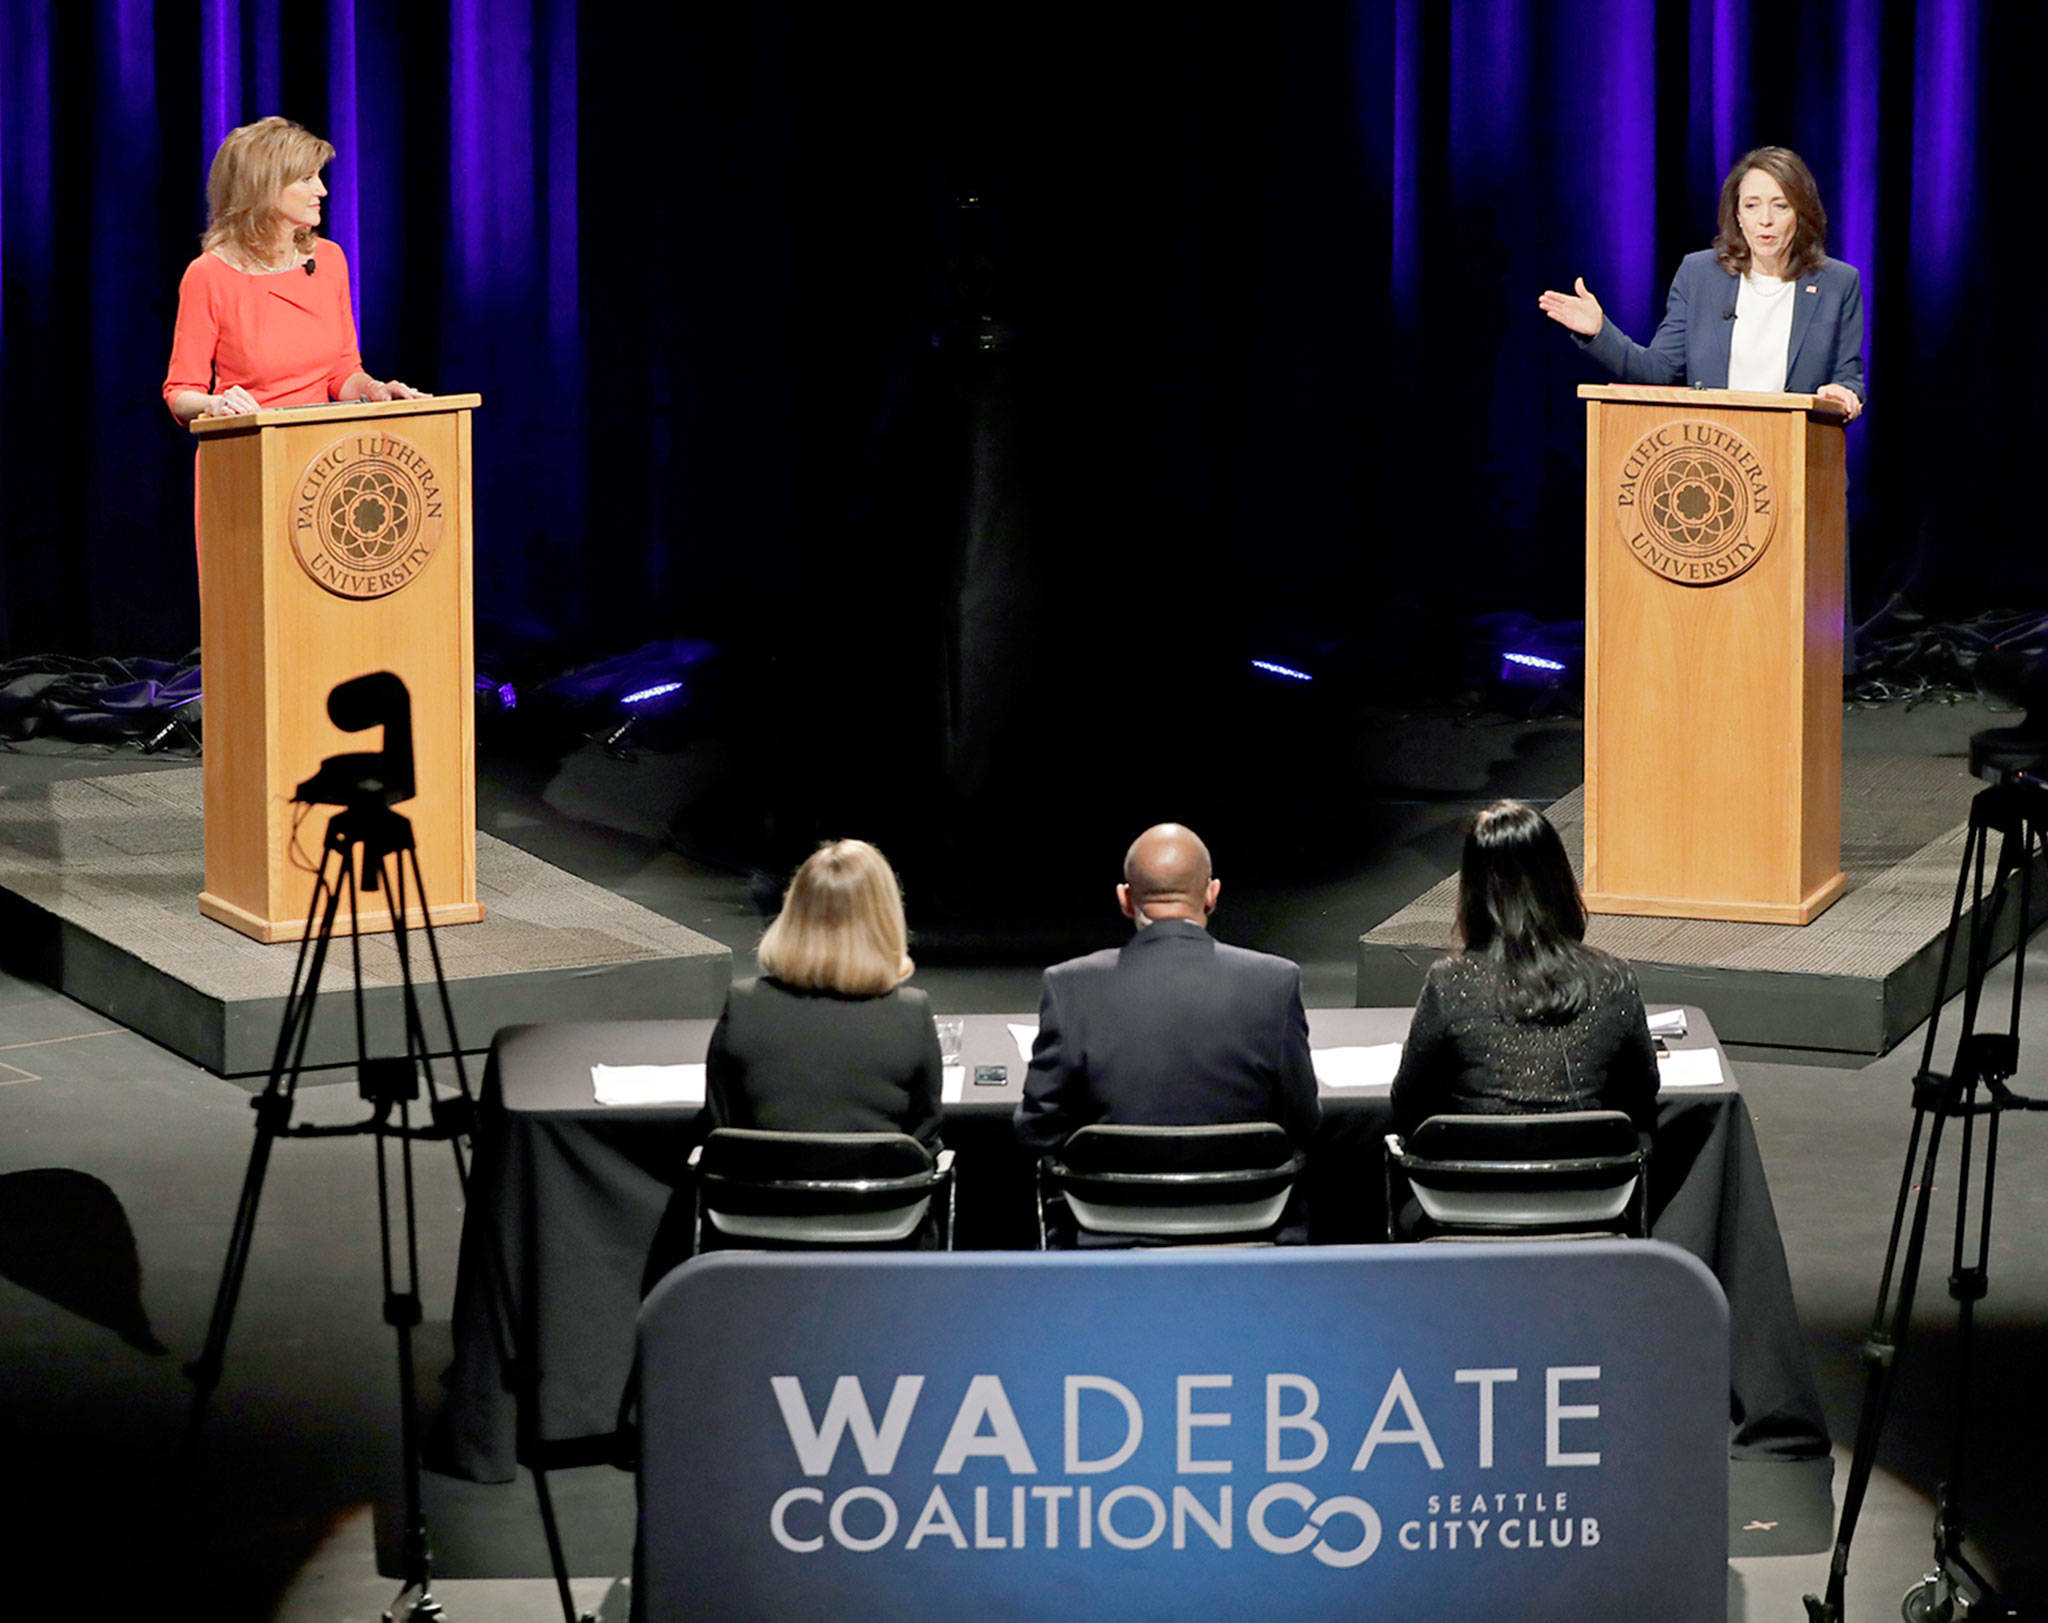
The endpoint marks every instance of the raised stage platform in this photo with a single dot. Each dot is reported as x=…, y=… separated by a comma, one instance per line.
x=1856, y=980
x=98, y=885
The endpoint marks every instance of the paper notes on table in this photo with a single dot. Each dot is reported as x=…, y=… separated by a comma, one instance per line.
x=1668, y=1023
x=647, y=1085
x=1024, y=1036
x=1691, y=1068
x=951, y=1081
x=1372, y=1066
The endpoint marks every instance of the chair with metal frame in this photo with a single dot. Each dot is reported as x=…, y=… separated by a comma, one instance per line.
x=1225, y=1184
x=1563, y=1175
x=755, y=1189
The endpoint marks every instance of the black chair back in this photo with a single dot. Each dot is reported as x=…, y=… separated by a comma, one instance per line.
x=1578, y=1172
x=1187, y=1184
x=818, y=1189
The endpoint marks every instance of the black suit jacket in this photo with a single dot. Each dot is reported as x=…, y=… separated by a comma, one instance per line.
x=795, y=1061
x=1173, y=1029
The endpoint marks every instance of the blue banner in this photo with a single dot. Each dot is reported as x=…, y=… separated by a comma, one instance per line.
x=1527, y=1431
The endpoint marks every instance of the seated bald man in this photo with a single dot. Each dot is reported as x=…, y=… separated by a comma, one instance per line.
x=1172, y=1029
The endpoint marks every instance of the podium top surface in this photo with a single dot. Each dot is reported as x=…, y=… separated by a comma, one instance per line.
x=1747, y=399
x=339, y=411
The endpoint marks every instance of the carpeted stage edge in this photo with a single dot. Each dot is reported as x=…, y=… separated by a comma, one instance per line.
x=1855, y=980
x=99, y=880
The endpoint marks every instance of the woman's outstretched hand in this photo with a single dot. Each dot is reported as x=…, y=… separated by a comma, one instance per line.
x=1577, y=310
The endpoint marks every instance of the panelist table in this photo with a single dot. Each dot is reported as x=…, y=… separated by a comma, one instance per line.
x=569, y=1194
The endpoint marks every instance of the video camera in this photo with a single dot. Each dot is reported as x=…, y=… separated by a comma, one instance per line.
x=379, y=778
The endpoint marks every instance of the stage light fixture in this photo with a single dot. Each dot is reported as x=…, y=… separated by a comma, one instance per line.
x=1273, y=667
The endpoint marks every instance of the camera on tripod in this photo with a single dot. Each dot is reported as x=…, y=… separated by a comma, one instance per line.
x=367, y=846
x=1974, y=1093
x=371, y=778
x=2016, y=676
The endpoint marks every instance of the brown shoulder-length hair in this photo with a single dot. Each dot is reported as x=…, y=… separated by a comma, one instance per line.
x=1807, y=251
x=253, y=165
x=841, y=927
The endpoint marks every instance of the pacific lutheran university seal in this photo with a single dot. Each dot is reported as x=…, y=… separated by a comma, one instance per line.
x=366, y=515
x=1695, y=502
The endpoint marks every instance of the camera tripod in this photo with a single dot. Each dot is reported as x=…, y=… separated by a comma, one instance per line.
x=368, y=838
x=1973, y=1090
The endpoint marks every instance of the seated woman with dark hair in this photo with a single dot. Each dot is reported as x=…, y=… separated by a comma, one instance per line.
x=829, y=1039
x=1528, y=1018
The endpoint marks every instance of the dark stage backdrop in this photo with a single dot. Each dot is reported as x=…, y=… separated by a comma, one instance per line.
x=1237, y=354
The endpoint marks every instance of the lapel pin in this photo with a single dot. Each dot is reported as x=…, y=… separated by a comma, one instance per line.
x=1812, y=288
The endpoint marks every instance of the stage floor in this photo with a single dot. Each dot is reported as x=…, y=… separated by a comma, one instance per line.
x=1855, y=980
x=98, y=884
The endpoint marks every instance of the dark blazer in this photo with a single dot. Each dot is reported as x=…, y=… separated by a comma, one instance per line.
x=1172, y=1029
x=1691, y=346
x=794, y=1061
x=1465, y=1055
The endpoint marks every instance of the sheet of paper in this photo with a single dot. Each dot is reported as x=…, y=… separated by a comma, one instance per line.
x=1372, y=1066
x=1671, y=1023
x=645, y=1085
x=1690, y=1068
x=951, y=1081
x=1024, y=1036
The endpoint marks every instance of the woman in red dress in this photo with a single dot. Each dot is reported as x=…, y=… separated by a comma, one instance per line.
x=263, y=313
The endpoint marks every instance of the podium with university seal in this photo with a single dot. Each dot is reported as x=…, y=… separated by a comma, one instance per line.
x=1714, y=576
x=334, y=541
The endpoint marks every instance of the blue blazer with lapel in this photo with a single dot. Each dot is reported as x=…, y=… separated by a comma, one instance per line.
x=1691, y=346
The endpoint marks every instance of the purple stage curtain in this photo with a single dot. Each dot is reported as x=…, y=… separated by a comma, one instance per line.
x=1271, y=278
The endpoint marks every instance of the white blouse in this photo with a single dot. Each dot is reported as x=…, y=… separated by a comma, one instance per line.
x=1761, y=344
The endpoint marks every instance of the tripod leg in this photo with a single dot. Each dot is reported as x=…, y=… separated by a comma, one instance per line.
x=419, y=1050
x=1880, y=1357
x=1973, y=849
x=402, y=1313
x=551, y=1529
x=1968, y=1283
x=417, y=1042
x=462, y=1087
x=273, y=1115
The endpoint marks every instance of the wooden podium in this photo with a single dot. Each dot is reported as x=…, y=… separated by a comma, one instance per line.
x=334, y=541
x=1714, y=536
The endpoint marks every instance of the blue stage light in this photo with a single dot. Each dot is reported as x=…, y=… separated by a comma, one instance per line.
x=1534, y=661
x=1287, y=671
x=654, y=692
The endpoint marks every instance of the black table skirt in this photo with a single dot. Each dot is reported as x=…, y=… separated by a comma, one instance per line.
x=568, y=1200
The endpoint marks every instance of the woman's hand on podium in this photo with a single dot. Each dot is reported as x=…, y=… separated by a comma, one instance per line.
x=234, y=401
x=1577, y=310
x=1849, y=400
x=369, y=388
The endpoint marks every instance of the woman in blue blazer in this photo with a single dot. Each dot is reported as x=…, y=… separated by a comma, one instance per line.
x=1764, y=308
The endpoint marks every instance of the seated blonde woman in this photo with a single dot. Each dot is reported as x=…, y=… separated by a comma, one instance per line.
x=828, y=1039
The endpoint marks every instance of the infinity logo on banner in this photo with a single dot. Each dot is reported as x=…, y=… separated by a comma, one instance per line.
x=1535, y=1431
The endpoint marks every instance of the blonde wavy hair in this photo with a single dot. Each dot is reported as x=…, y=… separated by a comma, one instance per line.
x=841, y=927
x=253, y=165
